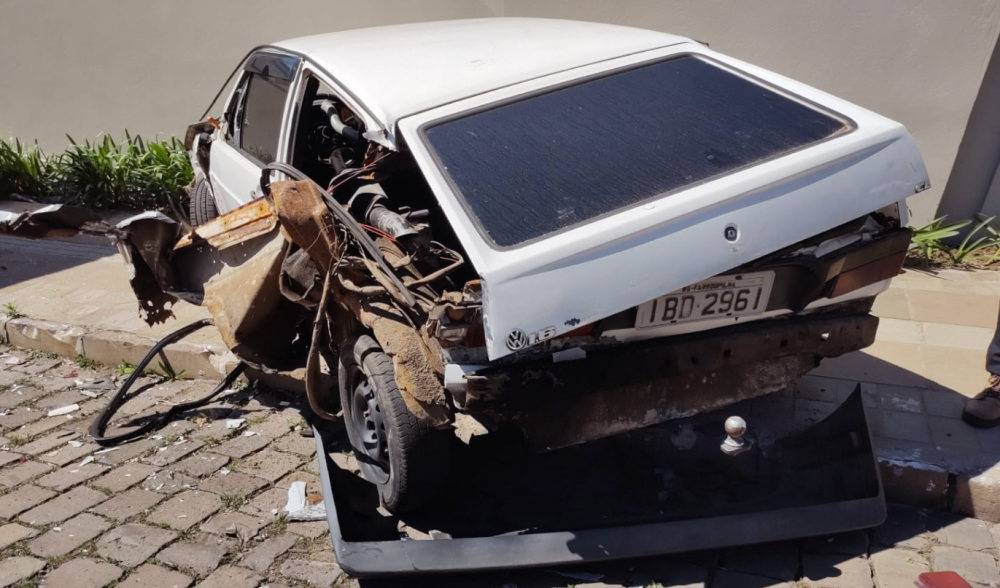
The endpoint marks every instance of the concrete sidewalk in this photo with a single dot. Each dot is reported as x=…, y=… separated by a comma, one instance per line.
x=927, y=360
x=75, y=298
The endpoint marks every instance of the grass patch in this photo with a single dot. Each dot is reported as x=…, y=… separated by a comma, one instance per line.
x=86, y=363
x=38, y=354
x=17, y=441
x=12, y=311
x=233, y=501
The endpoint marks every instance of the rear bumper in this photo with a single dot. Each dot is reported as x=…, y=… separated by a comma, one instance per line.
x=633, y=386
x=820, y=481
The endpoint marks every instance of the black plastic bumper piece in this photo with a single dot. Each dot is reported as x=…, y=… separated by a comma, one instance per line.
x=834, y=455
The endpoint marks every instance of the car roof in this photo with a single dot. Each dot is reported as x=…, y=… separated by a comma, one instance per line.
x=396, y=71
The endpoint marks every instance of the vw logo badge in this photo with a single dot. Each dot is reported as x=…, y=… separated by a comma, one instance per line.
x=516, y=339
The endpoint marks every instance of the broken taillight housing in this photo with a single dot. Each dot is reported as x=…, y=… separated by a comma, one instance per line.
x=867, y=274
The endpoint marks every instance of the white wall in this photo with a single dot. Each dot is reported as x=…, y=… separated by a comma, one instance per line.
x=90, y=66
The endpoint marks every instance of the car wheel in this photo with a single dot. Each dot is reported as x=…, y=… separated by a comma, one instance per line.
x=406, y=459
x=202, y=205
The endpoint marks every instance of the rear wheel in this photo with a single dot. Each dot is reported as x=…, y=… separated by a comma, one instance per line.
x=202, y=205
x=406, y=459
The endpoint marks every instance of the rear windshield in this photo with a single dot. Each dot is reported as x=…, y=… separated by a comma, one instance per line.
x=555, y=160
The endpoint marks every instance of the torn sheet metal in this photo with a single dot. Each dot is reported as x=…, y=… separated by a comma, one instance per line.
x=231, y=265
x=55, y=220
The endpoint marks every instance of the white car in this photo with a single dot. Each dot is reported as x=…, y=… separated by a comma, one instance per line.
x=578, y=229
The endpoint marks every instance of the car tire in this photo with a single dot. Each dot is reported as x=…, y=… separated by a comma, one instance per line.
x=407, y=459
x=202, y=204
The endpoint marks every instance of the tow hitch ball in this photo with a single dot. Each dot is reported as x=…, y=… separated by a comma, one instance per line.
x=735, y=443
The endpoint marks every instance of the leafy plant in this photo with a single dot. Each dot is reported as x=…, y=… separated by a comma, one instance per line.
x=166, y=372
x=86, y=363
x=968, y=246
x=38, y=354
x=27, y=170
x=124, y=368
x=12, y=311
x=930, y=238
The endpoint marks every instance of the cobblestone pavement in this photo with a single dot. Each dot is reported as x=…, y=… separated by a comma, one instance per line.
x=197, y=504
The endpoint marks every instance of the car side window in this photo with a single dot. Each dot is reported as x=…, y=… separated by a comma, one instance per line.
x=260, y=123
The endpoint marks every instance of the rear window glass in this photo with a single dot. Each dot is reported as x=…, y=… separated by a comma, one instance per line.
x=555, y=160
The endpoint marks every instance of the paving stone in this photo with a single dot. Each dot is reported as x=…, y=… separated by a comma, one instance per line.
x=266, y=503
x=269, y=464
x=231, y=577
x=201, y=464
x=67, y=453
x=169, y=482
x=125, y=476
x=278, y=424
x=150, y=576
x=64, y=506
x=173, y=452
x=776, y=560
x=310, y=530
x=82, y=573
x=48, y=442
x=903, y=527
x=313, y=484
x=20, y=395
x=979, y=495
x=853, y=543
x=944, y=404
x=975, y=567
x=12, y=533
x=242, y=446
x=898, y=568
x=234, y=524
x=959, y=531
x=13, y=420
x=133, y=543
x=7, y=457
x=952, y=432
x=261, y=557
x=21, y=499
x=318, y=573
x=124, y=505
x=668, y=572
x=297, y=444
x=906, y=426
x=19, y=474
x=71, y=475
x=71, y=534
x=235, y=483
x=186, y=509
x=127, y=452
x=15, y=569
x=837, y=571
x=46, y=424
x=60, y=399
x=200, y=553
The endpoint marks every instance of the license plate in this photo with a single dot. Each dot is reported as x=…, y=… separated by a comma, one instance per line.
x=720, y=297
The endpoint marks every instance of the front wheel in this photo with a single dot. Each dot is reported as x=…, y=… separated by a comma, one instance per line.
x=405, y=458
x=202, y=204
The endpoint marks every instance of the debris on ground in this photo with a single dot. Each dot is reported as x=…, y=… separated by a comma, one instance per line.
x=304, y=508
x=64, y=410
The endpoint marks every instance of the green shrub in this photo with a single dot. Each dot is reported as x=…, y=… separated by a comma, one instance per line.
x=27, y=170
x=131, y=174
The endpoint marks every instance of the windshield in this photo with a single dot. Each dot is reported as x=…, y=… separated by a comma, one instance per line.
x=552, y=161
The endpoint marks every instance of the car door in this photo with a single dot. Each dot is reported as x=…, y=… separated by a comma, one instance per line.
x=253, y=134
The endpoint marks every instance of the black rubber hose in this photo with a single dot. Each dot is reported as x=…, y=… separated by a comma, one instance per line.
x=100, y=424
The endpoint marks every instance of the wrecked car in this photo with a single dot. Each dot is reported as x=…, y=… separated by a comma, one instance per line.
x=570, y=230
